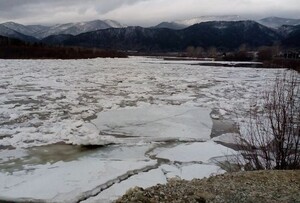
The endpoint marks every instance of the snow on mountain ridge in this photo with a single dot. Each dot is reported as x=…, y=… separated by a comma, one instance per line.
x=114, y=23
x=80, y=27
x=5, y=31
x=201, y=19
x=180, y=24
x=40, y=31
x=276, y=22
x=18, y=28
x=8, y=32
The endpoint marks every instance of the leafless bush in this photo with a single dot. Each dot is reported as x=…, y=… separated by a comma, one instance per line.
x=271, y=139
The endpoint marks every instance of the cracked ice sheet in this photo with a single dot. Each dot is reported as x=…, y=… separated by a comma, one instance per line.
x=70, y=181
x=151, y=123
x=154, y=177
x=195, y=152
x=144, y=180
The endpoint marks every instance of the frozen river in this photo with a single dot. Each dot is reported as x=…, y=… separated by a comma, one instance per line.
x=88, y=130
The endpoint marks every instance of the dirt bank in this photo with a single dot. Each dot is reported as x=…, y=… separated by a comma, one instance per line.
x=257, y=186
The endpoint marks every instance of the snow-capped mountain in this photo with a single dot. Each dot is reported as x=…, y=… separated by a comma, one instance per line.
x=8, y=32
x=24, y=29
x=272, y=22
x=114, y=24
x=170, y=25
x=18, y=28
x=202, y=19
x=229, y=35
x=276, y=22
x=189, y=22
x=37, y=28
x=40, y=31
x=78, y=28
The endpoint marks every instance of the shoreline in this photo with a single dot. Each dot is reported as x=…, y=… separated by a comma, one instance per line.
x=254, y=186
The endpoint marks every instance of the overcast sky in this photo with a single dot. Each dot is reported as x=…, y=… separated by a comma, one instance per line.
x=139, y=12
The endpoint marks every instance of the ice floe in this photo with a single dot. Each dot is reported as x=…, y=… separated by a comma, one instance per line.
x=195, y=152
x=151, y=123
x=191, y=171
x=228, y=138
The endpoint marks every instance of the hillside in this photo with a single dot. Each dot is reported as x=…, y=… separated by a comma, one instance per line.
x=256, y=186
x=293, y=38
x=229, y=35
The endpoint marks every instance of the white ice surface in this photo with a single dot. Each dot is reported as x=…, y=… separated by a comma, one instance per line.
x=195, y=152
x=71, y=181
x=191, y=171
x=41, y=100
x=229, y=138
x=199, y=171
x=151, y=123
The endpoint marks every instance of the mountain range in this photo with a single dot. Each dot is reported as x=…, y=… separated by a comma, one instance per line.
x=40, y=31
x=223, y=32
x=222, y=35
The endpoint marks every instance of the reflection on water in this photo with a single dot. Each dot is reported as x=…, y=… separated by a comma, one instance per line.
x=28, y=159
x=43, y=155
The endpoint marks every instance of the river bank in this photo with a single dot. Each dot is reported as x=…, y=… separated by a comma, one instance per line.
x=255, y=186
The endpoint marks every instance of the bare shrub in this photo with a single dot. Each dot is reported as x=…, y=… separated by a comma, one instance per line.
x=271, y=139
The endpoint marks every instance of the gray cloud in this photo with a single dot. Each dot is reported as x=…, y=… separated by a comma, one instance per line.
x=141, y=12
x=55, y=11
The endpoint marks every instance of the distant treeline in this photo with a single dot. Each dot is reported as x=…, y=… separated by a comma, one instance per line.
x=17, y=49
x=271, y=56
x=283, y=63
